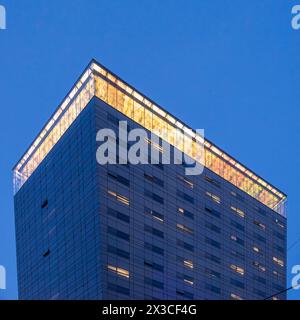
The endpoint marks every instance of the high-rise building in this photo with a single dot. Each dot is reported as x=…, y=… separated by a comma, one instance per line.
x=145, y=231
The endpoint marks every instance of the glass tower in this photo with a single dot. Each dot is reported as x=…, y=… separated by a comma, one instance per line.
x=146, y=231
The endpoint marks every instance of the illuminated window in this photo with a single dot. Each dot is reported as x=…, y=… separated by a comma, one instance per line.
x=119, y=271
x=185, y=213
x=119, y=197
x=237, y=269
x=184, y=228
x=259, y=224
x=257, y=250
x=278, y=261
x=154, y=145
x=213, y=197
x=154, y=214
x=188, y=263
x=280, y=224
x=237, y=239
x=259, y=266
x=240, y=212
x=235, y=296
x=187, y=182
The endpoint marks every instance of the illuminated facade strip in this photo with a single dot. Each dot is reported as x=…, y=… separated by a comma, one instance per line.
x=97, y=81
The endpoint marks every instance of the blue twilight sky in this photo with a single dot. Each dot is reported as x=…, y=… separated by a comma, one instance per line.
x=228, y=66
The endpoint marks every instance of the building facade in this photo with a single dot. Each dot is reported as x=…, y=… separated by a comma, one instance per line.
x=146, y=231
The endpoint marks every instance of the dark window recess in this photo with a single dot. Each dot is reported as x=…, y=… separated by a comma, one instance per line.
x=185, y=294
x=212, y=242
x=46, y=254
x=278, y=235
x=154, y=266
x=154, y=214
x=119, y=215
x=185, y=197
x=119, y=252
x=259, y=238
x=117, y=288
x=185, y=245
x=154, y=196
x=260, y=293
x=44, y=204
x=237, y=254
x=212, y=257
x=153, y=248
x=237, y=283
x=154, y=231
x=154, y=283
x=259, y=279
x=237, y=196
x=261, y=211
x=212, y=274
x=278, y=248
x=154, y=179
x=213, y=181
x=118, y=233
x=213, y=212
x=212, y=288
x=119, y=178
x=212, y=227
x=237, y=225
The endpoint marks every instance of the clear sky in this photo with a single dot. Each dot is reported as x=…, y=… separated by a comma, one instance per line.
x=228, y=66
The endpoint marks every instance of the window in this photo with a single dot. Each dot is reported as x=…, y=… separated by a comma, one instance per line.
x=213, y=197
x=213, y=242
x=212, y=274
x=185, y=245
x=260, y=293
x=237, y=269
x=154, y=214
x=154, y=179
x=44, y=204
x=184, y=228
x=185, y=213
x=239, y=212
x=259, y=237
x=234, y=296
x=118, y=233
x=278, y=261
x=186, y=279
x=154, y=196
x=279, y=223
x=154, y=145
x=258, y=250
x=237, y=240
x=237, y=196
x=118, y=178
x=213, y=258
x=237, y=283
x=237, y=254
x=118, y=197
x=212, y=227
x=118, y=289
x=278, y=248
x=278, y=235
x=237, y=225
x=186, y=181
x=212, y=288
x=154, y=283
x=186, y=262
x=259, y=224
x=184, y=294
x=213, y=212
x=213, y=181
x=154, y=231
x=119, y=271
x=259, y=266
x=46, y=254
x=154, y=265
x=119, y=215
x=119, y=252
x=185, y=196
x=259, y=279
x=153, y=248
